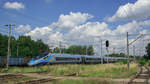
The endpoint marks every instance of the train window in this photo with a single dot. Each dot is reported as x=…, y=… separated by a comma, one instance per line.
x=66, y=59
x=59, y=58
x=99, y=58
x=93, y=58
x=78, y=58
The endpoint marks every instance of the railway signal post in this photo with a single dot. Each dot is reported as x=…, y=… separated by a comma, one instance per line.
x=107, y=45
x=9, y=37
x=60, y=47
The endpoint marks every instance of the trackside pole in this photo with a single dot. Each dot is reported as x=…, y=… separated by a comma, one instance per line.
x=107, y=45
x=134, y=53
x=107, y=55
x=9, y=38
x=128, y=64
x=101, y=52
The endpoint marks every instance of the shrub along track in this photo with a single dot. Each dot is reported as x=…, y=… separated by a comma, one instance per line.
x=142, y=77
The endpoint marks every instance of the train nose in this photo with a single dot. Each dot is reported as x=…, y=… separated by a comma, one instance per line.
x=31, y=63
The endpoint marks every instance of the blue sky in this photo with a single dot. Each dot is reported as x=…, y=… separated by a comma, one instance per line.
x=42, y=12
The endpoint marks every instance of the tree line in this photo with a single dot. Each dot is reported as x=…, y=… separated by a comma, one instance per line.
x=24, y=46
x=147, y=56
x=119, y=55
x=75, y=49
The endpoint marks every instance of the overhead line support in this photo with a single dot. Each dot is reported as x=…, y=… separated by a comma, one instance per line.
x=9, y=38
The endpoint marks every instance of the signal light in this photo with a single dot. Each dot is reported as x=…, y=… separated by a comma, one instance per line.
x=107, y=43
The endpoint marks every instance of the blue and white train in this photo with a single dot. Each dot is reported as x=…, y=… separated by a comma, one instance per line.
x=49, y=58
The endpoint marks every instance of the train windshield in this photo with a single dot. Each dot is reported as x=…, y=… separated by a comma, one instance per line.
x=41, y=55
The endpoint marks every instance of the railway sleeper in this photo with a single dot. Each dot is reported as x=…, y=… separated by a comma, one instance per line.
x=143, y=76
x=142, y=81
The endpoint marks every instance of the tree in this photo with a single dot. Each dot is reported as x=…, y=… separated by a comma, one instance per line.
x=122, y=55
x=90, y=50
x=147, y=56
x=117, y=55
x=76, y=49
x=24, y=44
x=3, y=45
x=56, y=50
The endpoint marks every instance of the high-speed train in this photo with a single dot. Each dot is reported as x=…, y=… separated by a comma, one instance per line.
x=49, y=58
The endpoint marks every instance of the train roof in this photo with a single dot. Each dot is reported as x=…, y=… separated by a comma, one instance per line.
x=93, y=56
x=65, y=55
x=69, y=55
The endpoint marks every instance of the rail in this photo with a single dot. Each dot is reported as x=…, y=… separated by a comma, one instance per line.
x=141, y=77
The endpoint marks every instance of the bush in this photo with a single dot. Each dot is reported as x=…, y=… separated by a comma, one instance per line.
x=123, y=62
x=148, y=63
x=142, y=62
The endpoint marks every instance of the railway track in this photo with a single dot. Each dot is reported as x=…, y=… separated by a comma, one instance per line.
x=142, y=77
x=10, y=76
x=4, y=79
x=37, y=81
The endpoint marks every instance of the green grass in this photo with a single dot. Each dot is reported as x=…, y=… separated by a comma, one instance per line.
x=144, y=62
x=85, y=81
x=115, y=70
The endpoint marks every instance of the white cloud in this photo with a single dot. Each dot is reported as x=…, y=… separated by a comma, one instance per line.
x=67, y=22
x=14, y=5
x=144, y=31
x=81, y=32
x=48, y=35
x=132, y=27
x=138, y=10
x=89, y=29
x=22, y=29
x=145, y=23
